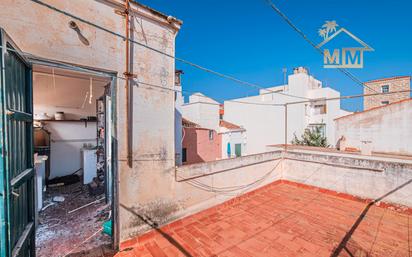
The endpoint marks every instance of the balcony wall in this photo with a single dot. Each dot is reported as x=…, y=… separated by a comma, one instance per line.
x=200, y=186
x=385, y=179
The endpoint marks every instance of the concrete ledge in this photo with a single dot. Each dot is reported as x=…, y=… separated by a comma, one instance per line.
x=385, y=180
x=197, y=170
x=372, y=163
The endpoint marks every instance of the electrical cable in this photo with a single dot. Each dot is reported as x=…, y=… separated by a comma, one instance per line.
x=228, y=189
x=150, y=85
x=254, y=85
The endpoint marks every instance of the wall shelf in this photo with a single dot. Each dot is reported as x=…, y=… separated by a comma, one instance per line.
x=64, y=120
x=85, y=121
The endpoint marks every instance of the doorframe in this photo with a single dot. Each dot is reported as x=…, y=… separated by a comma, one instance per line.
x=35, y=60
x=5, y=182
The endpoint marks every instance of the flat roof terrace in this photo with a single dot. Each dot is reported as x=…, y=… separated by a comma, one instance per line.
x=282, y=219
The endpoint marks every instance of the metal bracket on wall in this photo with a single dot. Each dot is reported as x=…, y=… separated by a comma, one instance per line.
x=129, y=75
x=122, y=12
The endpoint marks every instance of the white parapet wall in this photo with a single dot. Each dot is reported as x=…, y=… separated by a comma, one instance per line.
x=197, y=187
x=376, y=178
x=385, y=129
x=200, y=186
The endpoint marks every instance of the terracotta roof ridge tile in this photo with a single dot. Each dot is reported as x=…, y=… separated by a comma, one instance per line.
x=375, y=108
x=228, y=125
x=389, y=78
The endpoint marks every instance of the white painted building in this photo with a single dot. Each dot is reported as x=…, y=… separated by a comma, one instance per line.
x=233, y=138
x=205, y=112
x=202, y=110
x=265, y=122
x=381, y=130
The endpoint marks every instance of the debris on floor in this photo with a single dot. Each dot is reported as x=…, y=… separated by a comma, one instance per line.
x=61, y=232
x=58, y=199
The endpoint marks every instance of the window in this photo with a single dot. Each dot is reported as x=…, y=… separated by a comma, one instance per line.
x=385, y=89
x=320, y=109
x=184, y=155
x=385, y=102
x=211, y=135
x=322, y=128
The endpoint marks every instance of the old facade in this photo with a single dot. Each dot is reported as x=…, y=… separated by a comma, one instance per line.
x=144, y=157
x=381, y=130
x=231, y=138
x=199, y=144
x=386, y=85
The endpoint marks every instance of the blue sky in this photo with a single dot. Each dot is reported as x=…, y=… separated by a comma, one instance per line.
x=248, y=40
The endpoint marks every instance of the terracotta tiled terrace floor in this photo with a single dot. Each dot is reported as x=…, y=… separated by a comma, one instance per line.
x=282, y=219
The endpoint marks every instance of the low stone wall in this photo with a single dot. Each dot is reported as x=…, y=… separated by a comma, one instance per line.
x=204, y=185
x=187, y=172
x=196, y=187
x=383, y=179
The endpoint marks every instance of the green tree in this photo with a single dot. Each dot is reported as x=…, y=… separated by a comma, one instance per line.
x=311, y=137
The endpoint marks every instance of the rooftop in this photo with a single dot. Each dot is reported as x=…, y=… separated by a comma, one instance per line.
x=282, y=219
x=189, y=124
x=390, y=78
x=228, y=125
x=158, y=13
x=375, y=108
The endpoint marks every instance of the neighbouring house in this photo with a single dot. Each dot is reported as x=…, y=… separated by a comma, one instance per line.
x=199, y=144
x=233, y=139
x=208, y=114
x=384, y=129
x=202, y=110
x=386, y=85
x=264, y=121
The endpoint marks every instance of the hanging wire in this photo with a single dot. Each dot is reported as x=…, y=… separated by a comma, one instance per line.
x=54, y=83
x=151, y=85
x=91, y=90
x=229, y=77
x=306, y=38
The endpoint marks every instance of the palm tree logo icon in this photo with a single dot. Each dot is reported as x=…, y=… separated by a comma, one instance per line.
x=345, y=57
x=328, y=27
x=322, y=33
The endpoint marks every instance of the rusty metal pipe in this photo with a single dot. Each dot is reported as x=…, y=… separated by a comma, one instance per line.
x=129, y=100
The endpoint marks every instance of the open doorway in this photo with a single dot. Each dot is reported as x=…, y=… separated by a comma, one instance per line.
x=74, y=176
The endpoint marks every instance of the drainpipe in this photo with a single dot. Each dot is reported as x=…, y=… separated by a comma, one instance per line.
x=129, y=96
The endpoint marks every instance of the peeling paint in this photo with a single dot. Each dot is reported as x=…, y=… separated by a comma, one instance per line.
x=151, y=215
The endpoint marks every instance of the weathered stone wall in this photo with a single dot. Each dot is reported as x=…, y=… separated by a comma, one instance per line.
x=199, y=186
x=395, y=84
x=385, y=179
x=45, y=33
x=386, y=130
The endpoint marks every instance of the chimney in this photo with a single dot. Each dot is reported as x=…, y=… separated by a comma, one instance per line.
x=300, y=70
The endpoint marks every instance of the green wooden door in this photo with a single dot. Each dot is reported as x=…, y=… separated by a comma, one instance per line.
x=16, y=160
x=238, y=150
